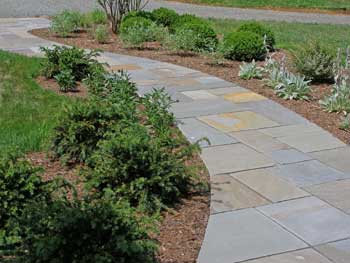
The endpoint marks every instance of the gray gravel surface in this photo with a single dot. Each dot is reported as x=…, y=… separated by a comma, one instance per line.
x=29, y=8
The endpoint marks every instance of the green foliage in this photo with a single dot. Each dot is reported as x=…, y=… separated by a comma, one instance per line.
x=94, y=18
x=315, y=61
x=339, y=99
x=101, y=34
x=135, y=166
x=184, y=19
x=183, y=40
x=84, y=231
x=20, y=183
x=345, y=123
x=140, y=13
x=137, y=30
x=250, y=71
x=66, y=80
x=165, y=17
x=66, y=22
x=260, y=30
x=243, y=46
x=203, y=36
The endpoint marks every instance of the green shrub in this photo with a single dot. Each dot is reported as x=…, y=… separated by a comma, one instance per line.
x=184, y=19
x=66, y=22
x=68, y=64
x=141, y=13
x=203, y=36
x=165, y=17
x=66, y=80
x=243, y=46
x=135, y=167
x=101, y=34
x=260, y=30
x=137, y=30
x=20, y=183
x=182, y=40
x=94, y=18
x=315, y=61
x=97, y=231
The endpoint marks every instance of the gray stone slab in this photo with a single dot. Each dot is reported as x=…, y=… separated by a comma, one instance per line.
x=335, y=193
x=337, y=158
x=291, y=130
x=338, y=252
x=301, y=256
x=268, y=184
x=309, y=173
x=276, y=112
x=233, y=158
x=228, y=194
x=286, y=156
x=311, y=219
x=259, y=141
x=195, y=130
x=243, y=235
x=312, y=142
x=223, y=91
x=203, y=107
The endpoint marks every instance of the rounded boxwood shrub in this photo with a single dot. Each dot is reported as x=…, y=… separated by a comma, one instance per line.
x=260, y=30
x=204, y=36
x=143, y=14
x=165, y=17
x=243, y=46
x=184, y=19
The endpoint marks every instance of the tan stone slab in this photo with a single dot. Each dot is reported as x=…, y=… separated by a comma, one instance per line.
x=245, y=120
x=127, y=67
x=259, y=141
x=229, y=194
x=335, y=193
x=182, y=82
x=269, y=185
x=301, y=256
x=240, y=97
x=199, y=95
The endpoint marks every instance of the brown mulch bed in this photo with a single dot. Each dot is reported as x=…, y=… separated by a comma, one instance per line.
x=229, y=71
x=182, y=228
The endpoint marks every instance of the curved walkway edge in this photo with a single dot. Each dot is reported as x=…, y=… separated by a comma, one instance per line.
x=280, y=184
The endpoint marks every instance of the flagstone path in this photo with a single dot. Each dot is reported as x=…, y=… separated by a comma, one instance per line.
x=280, y=184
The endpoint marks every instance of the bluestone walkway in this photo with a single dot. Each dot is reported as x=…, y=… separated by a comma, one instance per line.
x=30, y=8
x=280, y=184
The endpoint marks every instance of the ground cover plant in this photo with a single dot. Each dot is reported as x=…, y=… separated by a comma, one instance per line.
x=340, y=5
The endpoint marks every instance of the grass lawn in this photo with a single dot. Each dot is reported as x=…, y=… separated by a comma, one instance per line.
x=309, y=4
x=288, y=35
x=27, y=112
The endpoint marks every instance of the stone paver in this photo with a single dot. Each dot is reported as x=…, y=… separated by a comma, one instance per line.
x=243, y=235
x=335, y=193
x=269, y=185
x=233, y=158
x=338, y=252
x=228, y=194
x=195, y=130
x=239, y=121
x=261, y=153
x=337, y=158
x=311, y=219
x=310, y=173
x=300, y=256
x=286, y=156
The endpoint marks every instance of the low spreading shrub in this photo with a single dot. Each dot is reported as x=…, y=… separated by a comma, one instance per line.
x=137, y=30
x=203, y=35
x=243, y=46
x=135, y=166
x=101, y=34
x=84, y=231
x=165, y=17
x=66, y=22
x=140, y=13
x=260, y=30
x=20, y=183
x=64, y=64
x=250, y=71
x=315, y=61
x=66, y=80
